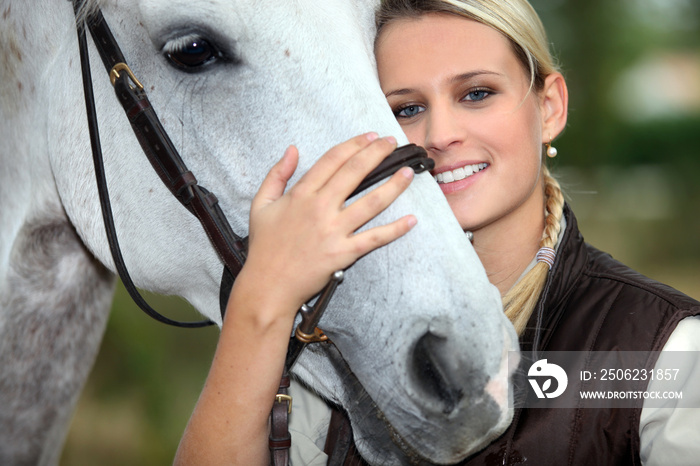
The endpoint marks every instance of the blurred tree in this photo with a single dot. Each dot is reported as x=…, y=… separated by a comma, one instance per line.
x=596, y=42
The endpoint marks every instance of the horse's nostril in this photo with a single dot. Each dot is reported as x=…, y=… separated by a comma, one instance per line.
x=434, y=368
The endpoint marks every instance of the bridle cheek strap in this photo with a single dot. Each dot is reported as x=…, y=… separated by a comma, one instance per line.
x=160, y=152
x=174, y=173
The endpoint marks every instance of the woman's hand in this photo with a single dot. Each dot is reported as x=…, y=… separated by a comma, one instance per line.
x=299, y=238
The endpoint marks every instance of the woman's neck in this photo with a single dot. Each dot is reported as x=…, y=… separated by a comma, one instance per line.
x=507, y=246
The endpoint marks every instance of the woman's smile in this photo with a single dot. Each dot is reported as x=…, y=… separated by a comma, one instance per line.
x=454, y=179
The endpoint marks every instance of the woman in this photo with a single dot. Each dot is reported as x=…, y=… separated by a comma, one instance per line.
x=473, y=82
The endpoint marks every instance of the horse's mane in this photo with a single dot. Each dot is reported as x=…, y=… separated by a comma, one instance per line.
x=88, y=7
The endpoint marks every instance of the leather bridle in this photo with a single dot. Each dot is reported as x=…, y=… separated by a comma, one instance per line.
x=203, y=204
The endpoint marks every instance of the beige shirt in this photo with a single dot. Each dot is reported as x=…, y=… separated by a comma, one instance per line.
x=308, y=424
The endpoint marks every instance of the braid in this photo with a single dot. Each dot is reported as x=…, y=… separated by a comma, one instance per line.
x=554, y=207
x=520, y=301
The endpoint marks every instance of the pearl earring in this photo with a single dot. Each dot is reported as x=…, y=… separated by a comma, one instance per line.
x=551, y=151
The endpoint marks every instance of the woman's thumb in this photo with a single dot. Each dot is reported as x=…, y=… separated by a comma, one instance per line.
x=275, y=182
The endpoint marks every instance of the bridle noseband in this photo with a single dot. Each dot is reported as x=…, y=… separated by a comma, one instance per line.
x=203, y=204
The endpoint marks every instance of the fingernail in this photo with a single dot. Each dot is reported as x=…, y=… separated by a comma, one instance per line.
x=372, y=136
x=407, y=172
x=391, y=139
x=412, y=220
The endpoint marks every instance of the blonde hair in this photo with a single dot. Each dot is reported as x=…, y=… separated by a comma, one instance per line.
x=522, y=298
x=517, y=21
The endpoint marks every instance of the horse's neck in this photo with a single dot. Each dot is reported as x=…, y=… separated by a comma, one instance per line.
x=32, y=219
x=31, y=37
x=54, y=296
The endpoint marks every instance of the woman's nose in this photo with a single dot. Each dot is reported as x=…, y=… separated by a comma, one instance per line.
x=443, y=129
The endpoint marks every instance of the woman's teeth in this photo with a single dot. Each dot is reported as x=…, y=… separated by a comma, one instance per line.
x=459, y=173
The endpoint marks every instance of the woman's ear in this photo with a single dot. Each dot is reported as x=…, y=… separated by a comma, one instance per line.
x=554, y=106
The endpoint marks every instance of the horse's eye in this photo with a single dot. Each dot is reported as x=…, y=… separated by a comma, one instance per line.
x=191, y=52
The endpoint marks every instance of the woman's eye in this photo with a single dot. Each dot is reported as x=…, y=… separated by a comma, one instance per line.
x=477, y=95
x=408, y=111
x=192, y=52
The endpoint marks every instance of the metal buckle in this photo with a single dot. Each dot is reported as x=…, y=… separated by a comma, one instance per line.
x=317, y=337
x=114, y=74
x=281, y=398
x=310, y=315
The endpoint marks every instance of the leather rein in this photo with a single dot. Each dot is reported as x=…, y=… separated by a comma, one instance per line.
x=203, y=204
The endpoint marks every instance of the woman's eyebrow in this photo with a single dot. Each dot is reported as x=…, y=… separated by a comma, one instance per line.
x=473, y=74
x=457, y=78
x=399, y=92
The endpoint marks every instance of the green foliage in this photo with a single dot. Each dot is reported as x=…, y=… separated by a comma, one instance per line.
x=145, y=383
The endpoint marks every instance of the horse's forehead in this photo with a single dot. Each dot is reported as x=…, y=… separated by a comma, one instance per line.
x=262, y=11
x=252, y=23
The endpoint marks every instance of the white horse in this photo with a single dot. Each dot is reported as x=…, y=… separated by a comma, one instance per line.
x=278, y=72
